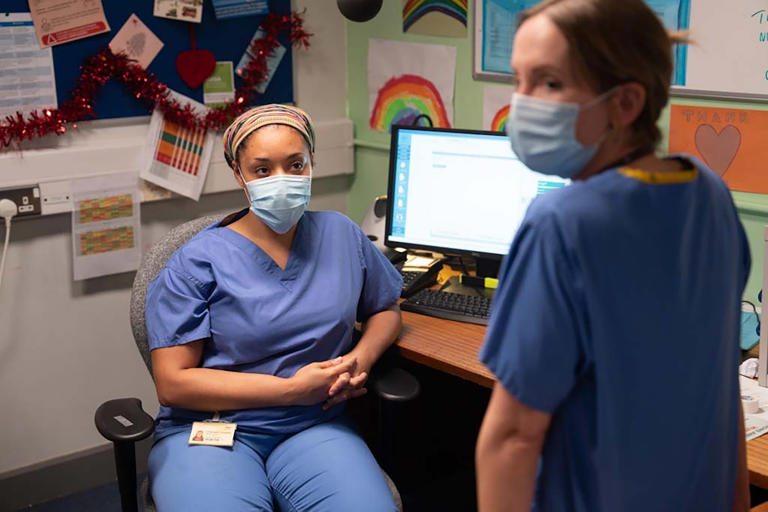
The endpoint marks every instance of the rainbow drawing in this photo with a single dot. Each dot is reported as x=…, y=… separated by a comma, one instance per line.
x=414, y=10
x=403, y=98
x=499, y=122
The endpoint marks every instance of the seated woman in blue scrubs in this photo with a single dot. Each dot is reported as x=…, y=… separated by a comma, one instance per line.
x=251, y=323
x=614, y=333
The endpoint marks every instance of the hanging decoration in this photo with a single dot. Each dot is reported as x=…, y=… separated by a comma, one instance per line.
x=144, y=85
x=194, y=65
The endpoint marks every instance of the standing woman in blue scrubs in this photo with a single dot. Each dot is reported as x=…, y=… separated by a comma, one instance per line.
x=614, y=334
x=252, y=323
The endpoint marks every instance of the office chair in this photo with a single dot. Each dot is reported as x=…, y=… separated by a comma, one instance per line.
x=124, y=422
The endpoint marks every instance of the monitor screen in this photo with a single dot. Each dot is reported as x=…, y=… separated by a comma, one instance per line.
x=458, y=191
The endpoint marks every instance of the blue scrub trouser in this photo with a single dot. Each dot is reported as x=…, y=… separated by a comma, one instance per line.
x=326, y=467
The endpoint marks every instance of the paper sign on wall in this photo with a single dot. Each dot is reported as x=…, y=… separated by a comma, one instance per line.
x=106, y=225
x=62, y=21
x=732, y=142
x=406, y=80
x=136, y=41
x=27, y=81
x=496, y=100
x=177, y=158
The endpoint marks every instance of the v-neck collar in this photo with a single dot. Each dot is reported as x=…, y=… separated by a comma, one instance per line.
x=296, y=254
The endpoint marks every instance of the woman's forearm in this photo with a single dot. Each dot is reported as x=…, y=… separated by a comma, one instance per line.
x=379, y=332
x=205, y=389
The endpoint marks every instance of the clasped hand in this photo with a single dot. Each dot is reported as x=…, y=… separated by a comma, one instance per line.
x=331, y=382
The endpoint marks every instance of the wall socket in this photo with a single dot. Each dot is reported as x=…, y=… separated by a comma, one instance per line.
x=27, y=199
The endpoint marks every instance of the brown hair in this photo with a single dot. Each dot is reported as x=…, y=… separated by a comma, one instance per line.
x=613, y=42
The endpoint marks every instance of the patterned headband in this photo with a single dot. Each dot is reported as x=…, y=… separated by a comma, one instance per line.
x=253, y=119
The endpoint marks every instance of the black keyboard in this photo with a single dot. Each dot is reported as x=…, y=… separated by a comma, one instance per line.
x=474, y=309
x=409, y=278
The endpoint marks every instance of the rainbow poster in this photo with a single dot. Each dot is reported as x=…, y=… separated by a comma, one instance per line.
x=176, y=157
x=499, y=122
x=106, y=208
x=496, y=100
x=403, y=99
x=446, y=18
x=406, y=80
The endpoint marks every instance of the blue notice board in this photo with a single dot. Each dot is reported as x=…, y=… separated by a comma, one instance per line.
x=227, y=39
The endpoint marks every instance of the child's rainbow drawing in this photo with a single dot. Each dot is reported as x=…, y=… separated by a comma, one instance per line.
x=403, y=98
x=414, y=10
x=499, y=122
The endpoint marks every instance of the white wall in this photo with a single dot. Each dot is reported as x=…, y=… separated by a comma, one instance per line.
x=66, y=346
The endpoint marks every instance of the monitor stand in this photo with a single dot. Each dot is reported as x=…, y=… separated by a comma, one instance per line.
x=487, y=267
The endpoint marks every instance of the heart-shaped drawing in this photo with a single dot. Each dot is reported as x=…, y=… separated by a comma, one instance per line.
x=194, y=66
x=718, y=149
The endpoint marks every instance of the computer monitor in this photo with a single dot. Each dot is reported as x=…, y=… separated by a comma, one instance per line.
x=458, y=192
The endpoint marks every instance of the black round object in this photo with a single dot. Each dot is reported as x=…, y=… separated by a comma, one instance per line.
x=359, y=10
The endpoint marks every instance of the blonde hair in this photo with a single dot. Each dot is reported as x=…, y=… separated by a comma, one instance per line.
x=613, y=42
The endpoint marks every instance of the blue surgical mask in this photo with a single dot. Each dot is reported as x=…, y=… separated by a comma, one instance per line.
x=279, y=200
x=543, y=134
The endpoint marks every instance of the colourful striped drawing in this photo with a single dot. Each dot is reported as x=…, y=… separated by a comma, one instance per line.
x=403, y=98
x=499, y=122
x=429, y=17
x=106, y=240
x=180, y=148
x=105, y=208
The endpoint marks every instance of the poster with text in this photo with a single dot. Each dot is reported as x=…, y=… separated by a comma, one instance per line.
x=406, y=80
x=732, y=142
x=62, y=21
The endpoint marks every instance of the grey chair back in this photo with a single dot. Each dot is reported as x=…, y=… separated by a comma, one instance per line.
x=152, y=263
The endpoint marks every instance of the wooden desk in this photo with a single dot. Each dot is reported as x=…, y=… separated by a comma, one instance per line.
x=452, y=347
x=445, y=345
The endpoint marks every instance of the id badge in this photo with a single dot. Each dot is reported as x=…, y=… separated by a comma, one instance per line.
x=212, y=433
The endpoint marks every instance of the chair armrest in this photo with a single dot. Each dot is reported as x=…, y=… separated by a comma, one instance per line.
x=396, y=385
x=123, y=420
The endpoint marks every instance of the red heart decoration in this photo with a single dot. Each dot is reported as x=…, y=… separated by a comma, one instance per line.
x=194, y=66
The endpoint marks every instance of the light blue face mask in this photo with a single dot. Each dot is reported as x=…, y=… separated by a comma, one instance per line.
x=543, y=134
x=279, y=200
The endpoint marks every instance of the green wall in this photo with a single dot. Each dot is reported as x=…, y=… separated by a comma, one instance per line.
x=372, y=148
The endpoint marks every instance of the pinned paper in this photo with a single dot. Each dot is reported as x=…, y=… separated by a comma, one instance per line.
x=224, y=9
x=182, y=10
x=496, y=100
x=730, y=141
x=28, y=81
x=219, y=88
x=442, y=18
x=62, y=21
x=105, y=225
x=406, y=80
x=137, y=42
x=273, y=60
x=177, y=158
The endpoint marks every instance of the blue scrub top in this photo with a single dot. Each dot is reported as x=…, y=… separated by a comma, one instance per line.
x=618, y=313
x=256, y=317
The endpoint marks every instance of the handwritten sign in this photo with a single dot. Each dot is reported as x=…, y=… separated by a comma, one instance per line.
x=732, y=142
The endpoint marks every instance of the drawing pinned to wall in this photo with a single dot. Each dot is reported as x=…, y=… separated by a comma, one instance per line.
x=137, y=42
x=730, y=141
x=182, y=10
x=445, y=18
x=496, y=107
x=177, y=158
x=409, y=79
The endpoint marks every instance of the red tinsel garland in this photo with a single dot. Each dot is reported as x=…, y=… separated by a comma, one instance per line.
x=145, y=86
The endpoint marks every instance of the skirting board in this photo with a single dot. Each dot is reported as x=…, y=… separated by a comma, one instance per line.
x=64, y=475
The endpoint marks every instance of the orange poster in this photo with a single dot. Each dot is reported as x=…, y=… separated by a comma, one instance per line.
x=732, y=142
